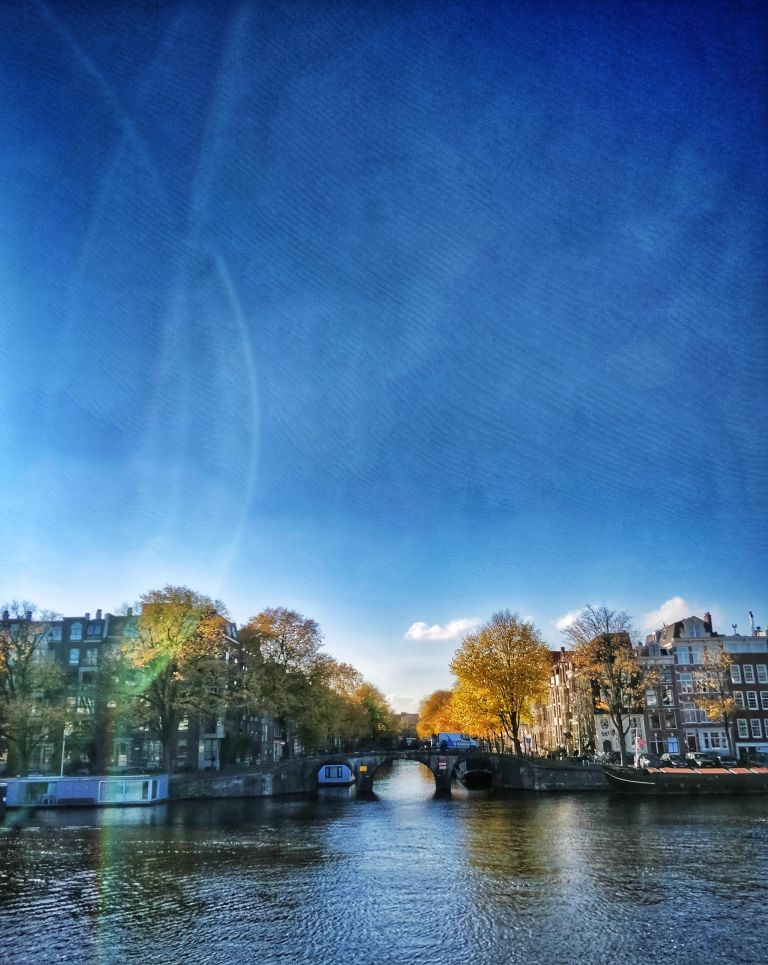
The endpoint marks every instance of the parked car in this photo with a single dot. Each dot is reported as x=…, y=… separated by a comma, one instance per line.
x=673, y=760
x=648, y=759
x=756, y=759
x=727, y=760
x=702, y=759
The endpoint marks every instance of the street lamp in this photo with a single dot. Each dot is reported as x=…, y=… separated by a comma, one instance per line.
x=68, y=728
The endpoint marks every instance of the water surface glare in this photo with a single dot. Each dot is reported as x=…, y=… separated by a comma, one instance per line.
x=406, y=878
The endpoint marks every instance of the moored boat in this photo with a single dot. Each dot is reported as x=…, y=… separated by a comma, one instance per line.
x=40, y=791
x=335, y=775
x=687, y=780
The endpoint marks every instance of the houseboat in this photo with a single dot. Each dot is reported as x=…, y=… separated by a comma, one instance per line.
x=335, y=775
x=40, y=791
x=687, y=780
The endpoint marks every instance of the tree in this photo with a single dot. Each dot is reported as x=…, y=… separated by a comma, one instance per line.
x=33, y=710
x=436, y=714
x=502, y=669
x=714, y=681
x=177, y=661
x=477, y=712
x=285, y=667
x=604, y=654
x=379, y=717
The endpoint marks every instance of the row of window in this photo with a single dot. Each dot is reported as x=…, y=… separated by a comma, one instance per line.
x=76, y=632
x=751, y=728
x=751, y=699
x=748, y=672
x=89, y=657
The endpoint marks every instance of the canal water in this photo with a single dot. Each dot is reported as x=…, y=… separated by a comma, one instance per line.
x=406, y=878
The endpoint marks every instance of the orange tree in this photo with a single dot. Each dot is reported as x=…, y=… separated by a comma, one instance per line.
x=502, y=670
x=436, y=714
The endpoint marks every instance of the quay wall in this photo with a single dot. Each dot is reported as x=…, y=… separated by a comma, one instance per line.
x=277, y=780
x=515, y=773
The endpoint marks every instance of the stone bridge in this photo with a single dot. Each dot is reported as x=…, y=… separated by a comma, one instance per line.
x=299, y=775
x=502, y=771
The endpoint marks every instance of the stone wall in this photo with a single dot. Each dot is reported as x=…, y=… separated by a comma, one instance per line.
x=516, y=773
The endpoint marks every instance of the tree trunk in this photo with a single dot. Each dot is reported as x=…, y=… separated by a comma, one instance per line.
x=618, y=723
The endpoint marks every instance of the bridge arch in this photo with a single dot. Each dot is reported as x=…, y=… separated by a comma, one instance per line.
x=443, y=765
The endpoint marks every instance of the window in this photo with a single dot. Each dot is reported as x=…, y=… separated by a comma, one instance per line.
x=735, y=673
x=749, y=673
x=764, y=699
x=681, y=654
x=762, y=673
x=655, y=722
x=333, y=772
x=666, y=697
x=738, y=699
x=90, y=658
x=670, y=720
x=752, y=699
x=94, y=630
x=74, y=656
x=686, y=682
x=651, y=700
x=666, y=675
x=699, y=683
x=689, y=716
x=76, y=631
x=54, y=633
x=757, y=730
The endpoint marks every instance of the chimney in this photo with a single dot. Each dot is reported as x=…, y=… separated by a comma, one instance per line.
x=752, y=624
x=98, y=614
x=129, y=611
x=28, y=616
x=6, y=615
x=87, y=616
x=708, y=621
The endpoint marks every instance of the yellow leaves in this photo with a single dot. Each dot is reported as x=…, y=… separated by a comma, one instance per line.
x=501, y=669
x=437, y=713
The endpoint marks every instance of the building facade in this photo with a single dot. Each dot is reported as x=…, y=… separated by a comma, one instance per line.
x=700, y=671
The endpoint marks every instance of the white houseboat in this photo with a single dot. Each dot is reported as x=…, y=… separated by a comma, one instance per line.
x=38, y=791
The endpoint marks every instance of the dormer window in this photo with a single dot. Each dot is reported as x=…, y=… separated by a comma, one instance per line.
x=76, y=631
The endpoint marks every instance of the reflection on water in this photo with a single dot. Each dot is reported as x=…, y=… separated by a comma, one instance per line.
x=404, y=878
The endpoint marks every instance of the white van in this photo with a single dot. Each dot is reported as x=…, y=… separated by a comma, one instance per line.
x=453, y=742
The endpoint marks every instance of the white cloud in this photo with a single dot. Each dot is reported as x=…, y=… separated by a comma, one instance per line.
x=675, y=608
x=440, y=631
x=566, y=620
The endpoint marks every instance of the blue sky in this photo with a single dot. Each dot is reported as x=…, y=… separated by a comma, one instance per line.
x=391, y=315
